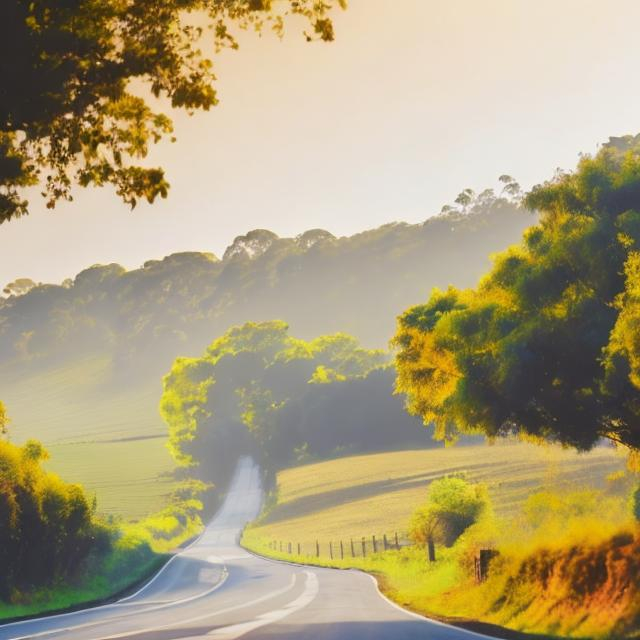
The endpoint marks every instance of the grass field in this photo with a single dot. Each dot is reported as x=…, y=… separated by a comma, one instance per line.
x=108, y=438
x=79, y=401
x=375, y=494
x=129, y=478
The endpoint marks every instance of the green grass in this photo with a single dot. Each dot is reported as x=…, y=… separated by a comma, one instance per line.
x=376, y=494
x=79, y=401
x=108, y=438
x=129, y=478
x=118, y=575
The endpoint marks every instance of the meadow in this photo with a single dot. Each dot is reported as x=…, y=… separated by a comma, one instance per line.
x=108, y=437
x=131, y=479
x=376, y=494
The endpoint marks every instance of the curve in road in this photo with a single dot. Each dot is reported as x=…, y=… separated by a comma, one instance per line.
x=215, y=590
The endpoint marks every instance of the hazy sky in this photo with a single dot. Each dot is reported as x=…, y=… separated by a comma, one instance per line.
x=414, y=101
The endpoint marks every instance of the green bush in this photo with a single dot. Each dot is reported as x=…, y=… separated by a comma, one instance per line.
x=453, y=505
x=47, y=527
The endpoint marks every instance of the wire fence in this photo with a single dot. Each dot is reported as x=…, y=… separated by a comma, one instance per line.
x=359, y=547
x=365, y=546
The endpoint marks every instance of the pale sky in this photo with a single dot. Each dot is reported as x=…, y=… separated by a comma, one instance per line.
x=415, y=100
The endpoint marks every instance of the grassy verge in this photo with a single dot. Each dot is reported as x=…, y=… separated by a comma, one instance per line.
x=137, y=552
x=115, y=576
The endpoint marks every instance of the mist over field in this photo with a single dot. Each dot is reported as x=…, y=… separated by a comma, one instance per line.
x=98, y=346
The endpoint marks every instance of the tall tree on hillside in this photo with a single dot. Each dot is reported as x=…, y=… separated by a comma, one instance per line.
x=548, y=345
x=68, y=111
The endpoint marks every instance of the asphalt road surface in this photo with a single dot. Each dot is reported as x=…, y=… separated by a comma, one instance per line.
x=215, y=590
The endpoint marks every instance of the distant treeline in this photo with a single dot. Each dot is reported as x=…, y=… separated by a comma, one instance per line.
x=320, y=284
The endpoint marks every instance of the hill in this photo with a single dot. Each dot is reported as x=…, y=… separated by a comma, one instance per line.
x=377, y=493
x=82, y=361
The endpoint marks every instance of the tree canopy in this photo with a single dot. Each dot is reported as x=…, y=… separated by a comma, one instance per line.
x=259, y=390
x=4, y=419
x=68, y=110
x=547, y=345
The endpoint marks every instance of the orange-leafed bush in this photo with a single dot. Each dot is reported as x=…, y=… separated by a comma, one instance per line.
x=586, y=589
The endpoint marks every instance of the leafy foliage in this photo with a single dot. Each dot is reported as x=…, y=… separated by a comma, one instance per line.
x=143, y=318
x=47, y=529
x=261, y=391
x=68, y=111
x=453, y=505
x=547, y=345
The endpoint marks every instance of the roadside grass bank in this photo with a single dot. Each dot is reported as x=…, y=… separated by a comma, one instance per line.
x=137, y=551
x=113, y=577
x=562, y=570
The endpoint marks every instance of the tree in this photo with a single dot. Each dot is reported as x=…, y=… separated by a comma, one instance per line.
x=465, y=198
x=259, y=390
x=47, y=529
x=453, y=505
x=68, y=111
x=547, y=345
x=635, y=503
x=19, y=287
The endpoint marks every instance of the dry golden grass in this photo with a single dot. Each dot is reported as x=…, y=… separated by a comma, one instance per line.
x=374, y=494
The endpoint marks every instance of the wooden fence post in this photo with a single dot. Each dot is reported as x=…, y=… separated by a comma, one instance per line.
x=364, y=548
x=341, y=551
x=375, y=544
x=281, y=545
x=431, y=547
x=317, y=549
x=331, y=549
x=299, y=549
x=482, y=561
x=384, y=541
x=289, y=548
x=397, y=545
x=353, y=552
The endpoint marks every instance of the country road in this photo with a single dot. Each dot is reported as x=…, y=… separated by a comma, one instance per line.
x=217, y=591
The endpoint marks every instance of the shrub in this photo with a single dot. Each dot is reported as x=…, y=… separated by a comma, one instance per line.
x=47, y=529
x=453, y=505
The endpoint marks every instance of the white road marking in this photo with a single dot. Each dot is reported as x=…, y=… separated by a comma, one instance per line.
x=238, y=630
x=127, y=614
x=205, y=616
x=422, y=618
x=115, y=605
